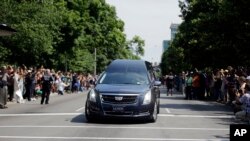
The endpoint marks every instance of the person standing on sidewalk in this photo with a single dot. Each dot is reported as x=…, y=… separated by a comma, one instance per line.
x=196, y=85
x=18, y=85
x=60, y=84
x=189, y=82
x=245, y=101
x=46, y=86
x=170, y=84
x=183, y=82
x=3, y=88
x=10, y=80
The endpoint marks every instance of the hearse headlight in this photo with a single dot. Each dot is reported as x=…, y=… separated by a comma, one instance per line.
x=92, y=95
x=147, y=98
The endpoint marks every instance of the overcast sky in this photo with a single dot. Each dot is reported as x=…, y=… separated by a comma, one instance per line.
x=151, y=20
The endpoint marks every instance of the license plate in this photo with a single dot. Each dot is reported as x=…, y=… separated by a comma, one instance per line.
x=118, y=108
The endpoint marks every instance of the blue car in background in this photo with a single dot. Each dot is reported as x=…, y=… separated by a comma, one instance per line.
x=128, y=88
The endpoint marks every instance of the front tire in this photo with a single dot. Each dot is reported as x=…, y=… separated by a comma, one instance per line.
x=89, y=117
x=153, y=115
x=158, y=106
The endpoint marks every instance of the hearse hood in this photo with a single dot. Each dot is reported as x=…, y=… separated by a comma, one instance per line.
x=122, y=88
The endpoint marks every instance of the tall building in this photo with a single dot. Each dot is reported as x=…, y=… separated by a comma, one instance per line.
x=165, y=44
x=174, y=30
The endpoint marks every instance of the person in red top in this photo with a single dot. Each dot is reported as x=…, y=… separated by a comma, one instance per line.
x=196, y=84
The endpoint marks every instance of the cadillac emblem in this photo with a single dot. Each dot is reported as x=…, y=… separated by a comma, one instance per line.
x=118, y=98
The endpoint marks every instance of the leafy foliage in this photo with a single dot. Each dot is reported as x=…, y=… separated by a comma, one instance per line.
x=136, y=45
x=213, y=34
x=63, y=34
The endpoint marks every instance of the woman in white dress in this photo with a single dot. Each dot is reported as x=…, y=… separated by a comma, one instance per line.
x=18, y=85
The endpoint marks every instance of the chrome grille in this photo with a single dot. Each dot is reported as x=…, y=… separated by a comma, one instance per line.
x=119, y=99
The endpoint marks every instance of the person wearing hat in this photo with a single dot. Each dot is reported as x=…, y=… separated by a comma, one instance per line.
x=3, y=87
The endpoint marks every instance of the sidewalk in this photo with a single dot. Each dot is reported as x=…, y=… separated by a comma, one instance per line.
x=38, y=98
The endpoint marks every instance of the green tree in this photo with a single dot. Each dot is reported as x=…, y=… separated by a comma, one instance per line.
x=37, y=27
x=136, y=45
x=63, y=34
x=214, y=33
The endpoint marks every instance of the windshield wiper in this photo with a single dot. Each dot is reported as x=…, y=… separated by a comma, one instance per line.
x=137, y=83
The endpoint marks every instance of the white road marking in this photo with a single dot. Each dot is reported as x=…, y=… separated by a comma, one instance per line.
x=41, y=114
x=80, y=109
x=74, y=114
x=118, y=127
x=168, y=111
x=195, y=116
x=108, y=138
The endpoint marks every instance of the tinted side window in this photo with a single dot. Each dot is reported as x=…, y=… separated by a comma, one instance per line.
x=150, y=71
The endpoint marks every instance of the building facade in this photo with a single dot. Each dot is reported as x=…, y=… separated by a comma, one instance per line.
x=165, y=44
x=174, y=30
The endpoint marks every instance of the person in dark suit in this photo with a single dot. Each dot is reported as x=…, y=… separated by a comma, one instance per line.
x=3, y=88
x=46, y=86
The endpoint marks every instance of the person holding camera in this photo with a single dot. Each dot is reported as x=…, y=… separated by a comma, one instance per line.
x=244, y=100
x=237, y=106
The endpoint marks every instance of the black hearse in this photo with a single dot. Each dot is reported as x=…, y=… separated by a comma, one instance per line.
x=128, y=88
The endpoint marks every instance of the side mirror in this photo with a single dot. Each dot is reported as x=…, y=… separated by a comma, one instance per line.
x=157, y=83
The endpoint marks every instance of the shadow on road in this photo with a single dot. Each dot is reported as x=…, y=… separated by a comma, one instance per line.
x=81, y=119
x=197, y=107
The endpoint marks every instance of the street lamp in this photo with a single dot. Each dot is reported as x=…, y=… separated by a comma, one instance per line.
x=6, y=31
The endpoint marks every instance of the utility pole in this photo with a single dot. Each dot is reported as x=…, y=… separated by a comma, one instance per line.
x=95, y=63
x=66, y=62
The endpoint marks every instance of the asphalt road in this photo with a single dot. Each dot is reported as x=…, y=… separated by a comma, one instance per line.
x=63, y=119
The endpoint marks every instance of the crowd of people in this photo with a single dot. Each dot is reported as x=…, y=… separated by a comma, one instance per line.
x=228, y=86
x=22, y=84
